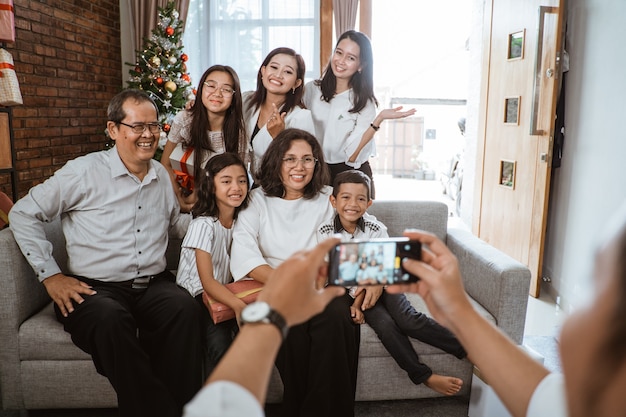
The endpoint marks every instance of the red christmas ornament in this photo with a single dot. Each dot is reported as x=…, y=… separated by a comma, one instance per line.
x=195, y=91
x=159, y=80
x=169, y=31
x=185, y=77
x=166, y=127
x=138, y=69
x=184, y=57
x=183, y=67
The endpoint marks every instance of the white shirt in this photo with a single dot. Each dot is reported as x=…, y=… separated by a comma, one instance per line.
x=271, y=229
x=116, y=226
x=548, y=400
x=297, y=118
x=338, y=130
x=208, y=235
x=223, y=399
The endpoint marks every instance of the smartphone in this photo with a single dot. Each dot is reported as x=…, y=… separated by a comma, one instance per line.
x=372, y=262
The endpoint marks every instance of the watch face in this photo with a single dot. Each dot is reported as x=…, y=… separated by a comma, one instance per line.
x=255, y=312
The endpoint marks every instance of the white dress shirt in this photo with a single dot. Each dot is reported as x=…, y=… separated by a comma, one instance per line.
x=338, y=130
x=116, y=226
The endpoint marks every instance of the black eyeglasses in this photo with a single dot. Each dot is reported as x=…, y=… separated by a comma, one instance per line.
x=139, y=128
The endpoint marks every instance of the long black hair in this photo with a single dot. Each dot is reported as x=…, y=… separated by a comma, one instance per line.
x=233, y=130
x=362, y=82
x=207, y=203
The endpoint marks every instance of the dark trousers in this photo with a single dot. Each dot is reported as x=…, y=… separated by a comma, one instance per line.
x=394, y=320
x=217, y=338
x=147, y=342
x=318, y=364
x=364, y=168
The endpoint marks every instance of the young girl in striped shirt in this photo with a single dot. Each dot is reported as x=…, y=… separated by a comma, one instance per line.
x=205, y=252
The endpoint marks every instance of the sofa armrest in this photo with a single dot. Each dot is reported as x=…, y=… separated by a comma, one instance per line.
x=21, y=296
x=494, y=279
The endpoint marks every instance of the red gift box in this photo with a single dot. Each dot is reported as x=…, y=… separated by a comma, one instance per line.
x=7, y=21
x=246, y=289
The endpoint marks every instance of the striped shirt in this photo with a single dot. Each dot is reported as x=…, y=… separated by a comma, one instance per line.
x=208, y=235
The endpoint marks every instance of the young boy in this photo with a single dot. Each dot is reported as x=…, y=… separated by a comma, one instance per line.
x=392, y=317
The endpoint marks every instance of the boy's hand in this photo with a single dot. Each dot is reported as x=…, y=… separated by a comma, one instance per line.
x=357, y=315
x=372, y=294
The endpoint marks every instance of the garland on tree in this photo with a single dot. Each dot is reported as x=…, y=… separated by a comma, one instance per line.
x=160, y=69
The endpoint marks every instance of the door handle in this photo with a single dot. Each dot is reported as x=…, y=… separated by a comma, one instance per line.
x=543, y=10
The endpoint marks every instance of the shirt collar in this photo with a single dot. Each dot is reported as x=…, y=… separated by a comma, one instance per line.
x=339, y=227
x=118, y=168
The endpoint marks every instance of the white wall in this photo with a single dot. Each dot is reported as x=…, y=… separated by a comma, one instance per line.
x=591, y=183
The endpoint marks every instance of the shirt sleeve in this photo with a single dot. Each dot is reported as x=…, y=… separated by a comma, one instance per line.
x=223, y=399
x=245, y=253
x=200, y=235
x=44, y=203
x=364, y=119
x=548, y=400
x=179, y=132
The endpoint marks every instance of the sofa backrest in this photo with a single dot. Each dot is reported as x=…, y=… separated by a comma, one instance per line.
x=431, y=216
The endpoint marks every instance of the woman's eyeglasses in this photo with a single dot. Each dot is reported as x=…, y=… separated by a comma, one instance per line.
x=307, y=161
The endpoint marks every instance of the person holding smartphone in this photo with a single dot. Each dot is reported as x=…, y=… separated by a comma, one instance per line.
x=392, y=316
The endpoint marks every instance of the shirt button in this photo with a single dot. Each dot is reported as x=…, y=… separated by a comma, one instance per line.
x=138, y=230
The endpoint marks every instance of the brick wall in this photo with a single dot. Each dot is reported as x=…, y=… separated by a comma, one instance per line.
x=67, y=59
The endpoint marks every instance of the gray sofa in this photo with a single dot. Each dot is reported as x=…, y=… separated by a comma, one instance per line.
x=40, y=368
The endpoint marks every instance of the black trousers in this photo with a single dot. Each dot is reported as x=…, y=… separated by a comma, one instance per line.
x=147, y=342
x=318, y=364
x=394, y=320
x=364, y=168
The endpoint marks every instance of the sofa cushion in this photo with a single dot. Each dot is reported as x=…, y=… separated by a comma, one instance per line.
x=431, y=216
x=372, y=347
x=42, y=338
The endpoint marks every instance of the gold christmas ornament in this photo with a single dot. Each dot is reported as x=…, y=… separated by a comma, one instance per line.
x=155, y=61
x=170, y=86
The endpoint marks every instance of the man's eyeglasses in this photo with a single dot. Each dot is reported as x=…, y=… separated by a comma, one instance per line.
x=211, y=87
x=139, y=128
x=307, y=161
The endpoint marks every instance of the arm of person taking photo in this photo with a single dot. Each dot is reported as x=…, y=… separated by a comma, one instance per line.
x=394, y=113
x=290, y=291
x=510, y=372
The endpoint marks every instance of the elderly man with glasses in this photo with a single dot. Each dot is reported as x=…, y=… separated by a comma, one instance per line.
x=116, y=298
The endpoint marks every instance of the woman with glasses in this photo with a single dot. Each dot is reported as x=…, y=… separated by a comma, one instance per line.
x=213, y=125
x=276, y=104
x=318, y=359
x=343, y=105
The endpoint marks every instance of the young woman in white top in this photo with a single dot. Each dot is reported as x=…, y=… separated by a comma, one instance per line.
x=205, y=252
x=213, y=125
x=318, y=360
x=276, y=104
x=343, y=105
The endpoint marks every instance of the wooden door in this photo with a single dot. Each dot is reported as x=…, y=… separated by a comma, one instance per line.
x=520, y=82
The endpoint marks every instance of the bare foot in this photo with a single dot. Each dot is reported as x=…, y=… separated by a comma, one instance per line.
x=446, y=385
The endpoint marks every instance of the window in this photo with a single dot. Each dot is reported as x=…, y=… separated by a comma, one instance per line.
x=240, y=33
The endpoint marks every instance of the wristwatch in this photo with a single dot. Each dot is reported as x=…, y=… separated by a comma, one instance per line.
x=261, y=312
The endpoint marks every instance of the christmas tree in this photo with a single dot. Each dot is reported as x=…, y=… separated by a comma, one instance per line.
x=160, y=69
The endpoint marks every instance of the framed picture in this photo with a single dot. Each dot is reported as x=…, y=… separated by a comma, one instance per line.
x=515, y=44
x=511, y=110
x=507, y=173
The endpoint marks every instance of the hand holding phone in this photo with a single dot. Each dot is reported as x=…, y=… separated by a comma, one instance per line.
x=372, y=262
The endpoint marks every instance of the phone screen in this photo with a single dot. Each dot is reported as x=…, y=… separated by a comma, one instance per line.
x=372, y=262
